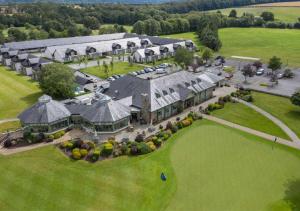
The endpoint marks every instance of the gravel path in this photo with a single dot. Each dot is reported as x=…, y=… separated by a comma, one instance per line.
x=278, y=122
x=254, y=132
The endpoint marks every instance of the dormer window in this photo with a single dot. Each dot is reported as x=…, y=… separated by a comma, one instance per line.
x=165, y=92
x=199, y=80
x=172, y=90
x=157, y=95
x=187, y=84
x=193, y=82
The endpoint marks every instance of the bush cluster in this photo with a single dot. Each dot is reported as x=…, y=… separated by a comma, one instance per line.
x=244, y=94
x=57, y=135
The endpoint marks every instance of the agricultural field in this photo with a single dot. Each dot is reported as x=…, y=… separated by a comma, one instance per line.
x=279, y=4
x=243, y=115
x=17, y=92
x=281, y=108
x=118, y=68
x=262, y=43
x=208, y=167
x=285, y=14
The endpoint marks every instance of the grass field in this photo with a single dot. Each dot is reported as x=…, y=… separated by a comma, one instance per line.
x=285, y=14
x=279, y=4
x=243, y=115
x=280, y=107
x=262, y=43
x=9, y=126
x=16, y=93
x=119, y=68
x=208, y=166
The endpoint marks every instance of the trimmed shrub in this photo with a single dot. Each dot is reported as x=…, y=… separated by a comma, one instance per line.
x=96, y=154
x=179, y=125
x=124, y=149
x=143, y=148
x=169, y=125
x=151, y=145
x=247, y=98
x=76, y=154
x=157, y=142
x=174, y=129
x=107, y=149
x=139, y=138
x=134, y=148
x=51, y=137
x=77, y=143
x=91, y=144
x=186, y=123
x=83, y=152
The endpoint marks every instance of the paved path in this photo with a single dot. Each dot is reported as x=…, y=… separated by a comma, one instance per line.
x=278, y=122
x=8, y=120
x=254, y=132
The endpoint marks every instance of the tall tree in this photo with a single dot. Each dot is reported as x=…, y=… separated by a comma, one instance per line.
x=232, y=14
x=207, y=54
x=57, y=80
x=105, y=69
x=275, y=64
x=210, y=38
x=295, y=99
x=91, y=22
x=247, y=71
x=267, y=16
x=183, y=57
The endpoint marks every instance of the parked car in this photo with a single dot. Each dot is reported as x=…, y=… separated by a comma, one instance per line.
x=228, y=75
x=208, y=65
x=116, y=76
x=280, y=75
x=111, y=79
x=133, y=73
x=218, y=63
x=160, y=71
x=147, y=70
x=164, y=65
x=260, y=71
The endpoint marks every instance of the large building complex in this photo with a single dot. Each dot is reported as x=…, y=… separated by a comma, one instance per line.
x=147, y=99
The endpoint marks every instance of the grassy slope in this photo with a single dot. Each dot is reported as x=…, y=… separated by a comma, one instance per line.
x=243, y=115
x=286, y=14
x=280, y=107
x=256, y=42
x=218, y=168
x=262, y=43
x=44, y=179
x=16, y=93
x=214, y=165
x=9, y=126
x=119, y=68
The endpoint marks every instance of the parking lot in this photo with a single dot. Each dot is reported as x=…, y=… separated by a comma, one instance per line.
x=285, y=86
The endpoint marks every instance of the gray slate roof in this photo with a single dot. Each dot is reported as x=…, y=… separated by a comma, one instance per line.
x=102, y=110
x=162, y=91
x=154, y=39
x=32, y=44
x=45, y=111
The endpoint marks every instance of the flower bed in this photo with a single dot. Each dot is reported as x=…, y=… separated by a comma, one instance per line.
x=89, y=151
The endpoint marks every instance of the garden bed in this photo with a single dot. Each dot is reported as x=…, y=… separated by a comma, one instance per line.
x=78, y=149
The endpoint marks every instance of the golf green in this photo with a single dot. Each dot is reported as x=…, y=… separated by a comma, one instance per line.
x=208, y=167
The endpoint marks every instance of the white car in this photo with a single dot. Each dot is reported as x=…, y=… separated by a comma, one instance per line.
x=260, y=71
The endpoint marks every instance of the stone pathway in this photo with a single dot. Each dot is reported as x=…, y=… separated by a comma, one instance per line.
x=278, y=122
x=254, y=132
x=8, y=120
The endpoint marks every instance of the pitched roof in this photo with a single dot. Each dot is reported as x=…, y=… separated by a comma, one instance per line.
x=32, y=44
x=45, y=111
x=162, y=91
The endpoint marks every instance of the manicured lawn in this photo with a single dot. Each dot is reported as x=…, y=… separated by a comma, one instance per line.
x=281, y=108
x=119, y=68
x=187, y=36
x=261, y=43
x=243, y=115
x=16, y=93
x=285, y=14
x=216, y=168
x=9, y=126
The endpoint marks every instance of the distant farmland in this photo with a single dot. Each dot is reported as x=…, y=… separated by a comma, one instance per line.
x=279, y=4
x=286, y=14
